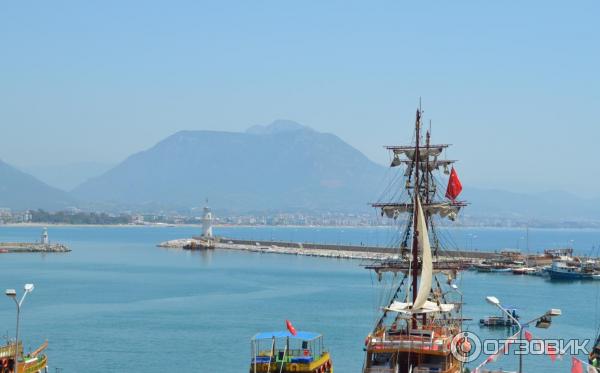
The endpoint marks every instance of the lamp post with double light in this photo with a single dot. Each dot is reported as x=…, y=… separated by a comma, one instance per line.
x=12, y=293
x=543, y=321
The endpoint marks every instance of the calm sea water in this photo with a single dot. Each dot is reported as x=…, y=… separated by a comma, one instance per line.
x=117, y=303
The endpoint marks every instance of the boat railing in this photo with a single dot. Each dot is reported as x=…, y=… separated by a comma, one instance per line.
x=410, y=343
x=286, y=355
x=9, y=350
x=380, y=370
x=35, y=366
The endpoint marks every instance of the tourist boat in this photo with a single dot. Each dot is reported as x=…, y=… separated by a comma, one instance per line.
x=34, y=362
x=421, y=310
x=287, y=351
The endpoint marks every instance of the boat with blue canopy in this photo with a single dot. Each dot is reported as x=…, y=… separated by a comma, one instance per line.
x=284, y=351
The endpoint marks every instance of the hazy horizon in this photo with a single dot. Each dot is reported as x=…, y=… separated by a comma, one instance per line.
x=95, y=83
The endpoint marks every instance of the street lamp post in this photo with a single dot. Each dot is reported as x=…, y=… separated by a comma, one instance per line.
x=546, y=316
x=12, y=293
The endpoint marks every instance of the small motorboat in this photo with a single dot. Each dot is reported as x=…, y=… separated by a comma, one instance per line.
x=501, y=321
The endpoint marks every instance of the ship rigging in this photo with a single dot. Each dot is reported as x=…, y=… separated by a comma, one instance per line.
x=419, y=321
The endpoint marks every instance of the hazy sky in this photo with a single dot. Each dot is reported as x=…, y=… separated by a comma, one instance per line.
x=514, y=85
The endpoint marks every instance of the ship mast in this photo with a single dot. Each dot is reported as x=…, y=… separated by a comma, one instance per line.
x=415, y=244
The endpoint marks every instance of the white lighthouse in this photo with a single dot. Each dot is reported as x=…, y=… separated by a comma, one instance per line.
x=44, y=239
x=207, y=222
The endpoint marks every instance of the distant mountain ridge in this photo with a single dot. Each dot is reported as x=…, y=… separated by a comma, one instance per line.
x=282, y=166
x=19, y=190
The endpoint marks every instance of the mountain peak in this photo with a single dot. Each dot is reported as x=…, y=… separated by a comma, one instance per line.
x=277, y=126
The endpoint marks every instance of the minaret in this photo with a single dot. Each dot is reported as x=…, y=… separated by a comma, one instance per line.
x=44, y=240
x=207, y=222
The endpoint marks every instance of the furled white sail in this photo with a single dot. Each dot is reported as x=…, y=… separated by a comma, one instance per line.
x=428, y=307
x=443, y=209
x=427, y=263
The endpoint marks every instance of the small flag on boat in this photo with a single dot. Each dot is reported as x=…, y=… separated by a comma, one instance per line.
x=454, y=186
x=551, y=350
x=576, y=366
x=290, y=327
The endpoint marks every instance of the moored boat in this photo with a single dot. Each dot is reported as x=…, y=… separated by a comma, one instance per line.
x=523, y=271
x=502, y=321
x=33, y=362
x=284, y=351
x=563, y=270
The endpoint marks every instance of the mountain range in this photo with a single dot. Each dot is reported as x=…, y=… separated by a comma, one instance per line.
x=19, y=190
x=283, y=166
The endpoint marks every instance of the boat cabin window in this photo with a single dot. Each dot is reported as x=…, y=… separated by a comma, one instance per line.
x=381, y=360
x=426, y=334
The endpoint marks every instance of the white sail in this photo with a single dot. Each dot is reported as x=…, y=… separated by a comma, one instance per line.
x=427, y=263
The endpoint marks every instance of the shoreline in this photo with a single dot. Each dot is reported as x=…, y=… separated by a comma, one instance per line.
x=199, y=225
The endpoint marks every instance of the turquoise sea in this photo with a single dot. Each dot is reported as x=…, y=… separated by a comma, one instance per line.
x=118, y=303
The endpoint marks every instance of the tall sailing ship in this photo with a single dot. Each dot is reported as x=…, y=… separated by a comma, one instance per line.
x=421, y=315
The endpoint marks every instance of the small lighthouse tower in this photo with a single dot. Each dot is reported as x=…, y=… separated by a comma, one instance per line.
x=207, y=219
x=44, y=239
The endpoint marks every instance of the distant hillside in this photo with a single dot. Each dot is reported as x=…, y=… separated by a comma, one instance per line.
x=283, y=166
x=66, y=176
x=543, y=205
x=21, y=191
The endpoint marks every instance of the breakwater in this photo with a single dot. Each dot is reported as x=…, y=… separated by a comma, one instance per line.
x=315, y=249
x=31, y=247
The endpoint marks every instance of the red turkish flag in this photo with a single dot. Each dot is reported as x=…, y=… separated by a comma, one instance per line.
x=528, y=336
x=576, y=366
x=551, y=350
x=454, y=186
x=290, y=327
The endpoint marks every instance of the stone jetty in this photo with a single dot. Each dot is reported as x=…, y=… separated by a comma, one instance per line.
x=309, y=249
x=32, y=247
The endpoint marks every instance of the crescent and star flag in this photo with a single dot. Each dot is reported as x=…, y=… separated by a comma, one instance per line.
x=290, y=327
x=454, y=186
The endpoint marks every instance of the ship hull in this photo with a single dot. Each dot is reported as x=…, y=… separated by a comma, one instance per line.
x=567, y=276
